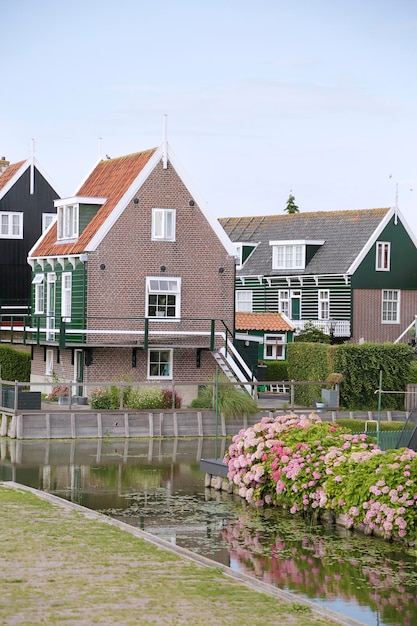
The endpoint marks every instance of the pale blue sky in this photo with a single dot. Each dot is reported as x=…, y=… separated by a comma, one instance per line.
x=314, y=96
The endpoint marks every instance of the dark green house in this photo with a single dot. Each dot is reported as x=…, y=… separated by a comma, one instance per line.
x=351, y=273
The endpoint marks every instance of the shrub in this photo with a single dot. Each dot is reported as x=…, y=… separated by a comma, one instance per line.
x=167, y=399
x=141, y=399
x=102, y=398
x=58, y=391
x=15, y=364
x=232, y=400
x=276, y=370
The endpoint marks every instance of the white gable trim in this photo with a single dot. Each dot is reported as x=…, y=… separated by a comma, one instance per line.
x=377, y=232
x=124, y=201
x=21, y=171
x=15, y=178
x=139, y=181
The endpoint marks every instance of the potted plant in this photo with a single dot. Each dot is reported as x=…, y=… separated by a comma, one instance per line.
x=59, y=393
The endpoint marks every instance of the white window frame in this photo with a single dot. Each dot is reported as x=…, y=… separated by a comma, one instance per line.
x=163, y=224
x=288, y=256
x=323, y=304
x=274, y=347
x=68, y=221
x=169, y=286
x=160, y=364
x=47, y=219
x=284, y=302
x=66, y=296
x=244, y=300
x=383, y=256
x=390, y=306
x=12, y=227
x=49, y=362
x=39, y=282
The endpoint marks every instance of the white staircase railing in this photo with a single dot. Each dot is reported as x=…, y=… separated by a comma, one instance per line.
x=233, y=365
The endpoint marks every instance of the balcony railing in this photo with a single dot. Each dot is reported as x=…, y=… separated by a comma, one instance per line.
x=107, y=331
x=340, y=328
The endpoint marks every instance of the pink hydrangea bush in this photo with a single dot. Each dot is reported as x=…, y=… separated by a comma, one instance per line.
x=307, y=465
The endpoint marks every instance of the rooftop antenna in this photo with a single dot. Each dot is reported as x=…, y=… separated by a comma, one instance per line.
x=100, y=148
x=165, y=143
x=32, y=167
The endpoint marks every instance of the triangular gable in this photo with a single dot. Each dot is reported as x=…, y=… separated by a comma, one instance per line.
x=393, y=212
x=14, y=171
x=118, y=180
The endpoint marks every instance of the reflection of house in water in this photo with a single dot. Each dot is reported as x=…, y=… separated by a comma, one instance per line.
x=155, y=485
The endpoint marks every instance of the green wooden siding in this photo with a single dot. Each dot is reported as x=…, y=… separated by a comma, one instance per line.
x=403, y=268
x=86, y=214
x=265, y=296
x=78, y=299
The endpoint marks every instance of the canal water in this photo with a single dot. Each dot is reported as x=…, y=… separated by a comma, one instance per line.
x=157, y=485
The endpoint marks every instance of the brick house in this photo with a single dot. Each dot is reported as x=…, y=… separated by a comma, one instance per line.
x=135, y=281
x=351, y=273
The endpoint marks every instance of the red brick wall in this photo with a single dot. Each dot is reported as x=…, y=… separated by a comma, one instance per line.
x=367, y=325
x=130, y=255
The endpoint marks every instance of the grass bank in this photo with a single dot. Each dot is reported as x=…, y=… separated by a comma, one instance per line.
x=64, y=564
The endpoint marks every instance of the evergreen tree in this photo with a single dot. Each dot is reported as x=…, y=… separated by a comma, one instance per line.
x=291, y=206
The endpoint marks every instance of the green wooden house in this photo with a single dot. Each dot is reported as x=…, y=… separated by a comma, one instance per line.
x=351, y=273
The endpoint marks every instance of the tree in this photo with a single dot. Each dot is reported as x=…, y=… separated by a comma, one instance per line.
x=291, y=206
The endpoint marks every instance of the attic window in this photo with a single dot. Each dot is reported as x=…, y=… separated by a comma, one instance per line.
x=163, y=224
x=68, y=221
x=243, y=252
x=288, y=256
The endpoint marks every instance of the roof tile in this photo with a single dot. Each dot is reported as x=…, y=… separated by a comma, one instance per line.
x=261, y=321
x=110, y=179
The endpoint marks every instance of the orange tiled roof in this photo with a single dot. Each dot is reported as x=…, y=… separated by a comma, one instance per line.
x=110, y=179
x=261, y=321
x=9, y=172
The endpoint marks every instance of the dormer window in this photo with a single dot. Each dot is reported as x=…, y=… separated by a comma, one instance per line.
x=243, y=252
x=288, y=256
x=68, y=221
x=294, y=255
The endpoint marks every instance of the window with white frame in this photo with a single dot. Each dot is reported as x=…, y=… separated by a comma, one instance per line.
x=324, y=304
x=66, y=296
x=47, y=219
x=163, y=297
x=284, y=302
x=11, y=225
x=68, y=221
x=163, y=224
x=39, y=284
x=49, y=362
x=390, y=306
x=244, y=301
x=160, y=363
x=274, y=347
x=383, y=252
x=288, y=256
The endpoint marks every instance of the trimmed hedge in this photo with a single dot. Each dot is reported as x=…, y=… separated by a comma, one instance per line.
x=15, y=364
x=276, y=370
x=360, y=366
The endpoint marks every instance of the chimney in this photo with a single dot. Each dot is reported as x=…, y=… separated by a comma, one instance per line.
x=3, y=164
